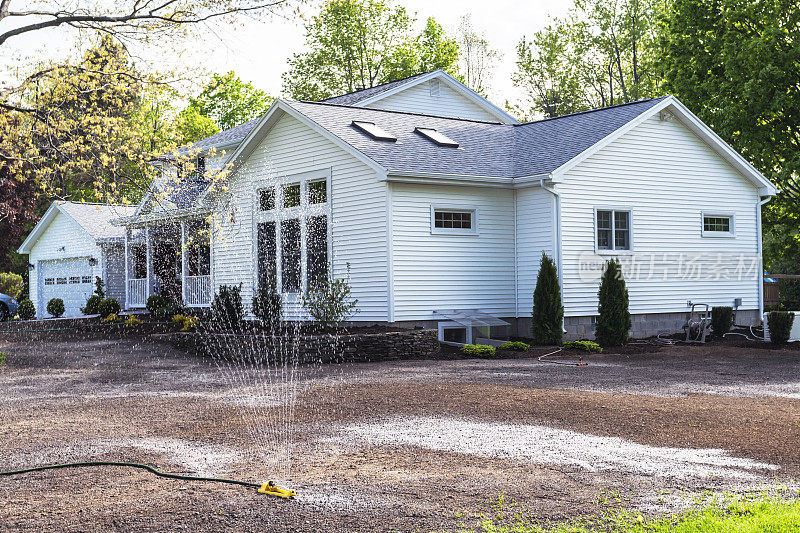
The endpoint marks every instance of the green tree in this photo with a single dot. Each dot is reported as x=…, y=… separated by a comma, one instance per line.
x=548, y=313
x=614, y=320
x=603, y=53
x=193, y=125
x=737, y=65
x=229, y=101
x=356, y=44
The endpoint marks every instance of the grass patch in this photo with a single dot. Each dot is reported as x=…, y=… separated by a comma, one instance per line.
x=730, y=515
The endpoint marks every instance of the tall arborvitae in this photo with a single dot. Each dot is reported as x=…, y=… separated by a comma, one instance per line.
x=548, y=313
x=614, y=321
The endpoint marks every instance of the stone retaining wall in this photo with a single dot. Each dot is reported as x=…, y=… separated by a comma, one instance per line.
x=310, y=348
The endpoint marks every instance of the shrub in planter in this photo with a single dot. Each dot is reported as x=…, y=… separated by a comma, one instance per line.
x=11, y=284
x=26, y=311
x=548, y=313
x=268, y=306
x=478, y=350
x=155, y=304
x=721, y=320
x=109, y=306
x=586, y=346
x=55, y=307
x=780, y=326
x=515, y=346
x=614, y=320
x=91, y=305
x=226, y=309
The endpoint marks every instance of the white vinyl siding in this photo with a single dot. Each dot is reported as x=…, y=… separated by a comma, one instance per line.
x=435, y=271
x=63, y=239
x=668, y=177
x=535, y=234
x=358, y=216
x=449, y=103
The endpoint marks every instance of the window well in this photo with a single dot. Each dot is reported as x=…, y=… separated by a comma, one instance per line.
x=376, y=132
x=439, y=138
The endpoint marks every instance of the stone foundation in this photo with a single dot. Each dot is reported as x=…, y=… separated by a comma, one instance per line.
x=310, y=348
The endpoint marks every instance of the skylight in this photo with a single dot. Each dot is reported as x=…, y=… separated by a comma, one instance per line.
x=439, y=138
x=376, y=132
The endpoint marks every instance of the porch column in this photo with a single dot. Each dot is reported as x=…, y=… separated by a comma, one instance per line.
x=127, y=273
x=183, y=261
x=149, y=266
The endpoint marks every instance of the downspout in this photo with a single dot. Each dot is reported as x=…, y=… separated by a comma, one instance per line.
x=760, y=259
x=556, y=238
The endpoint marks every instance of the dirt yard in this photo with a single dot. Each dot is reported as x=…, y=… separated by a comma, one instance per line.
x=413, y=445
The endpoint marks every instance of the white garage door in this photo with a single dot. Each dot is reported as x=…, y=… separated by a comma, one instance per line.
x=68, y=279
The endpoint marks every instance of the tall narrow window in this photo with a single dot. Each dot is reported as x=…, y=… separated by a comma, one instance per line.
x=613, y=230
x=267, y=263
x=317, y=192
x=316, y=250
x=198, y=249
x=290, y=255
x=291, y=195
x=266, y=199
x=139, y=261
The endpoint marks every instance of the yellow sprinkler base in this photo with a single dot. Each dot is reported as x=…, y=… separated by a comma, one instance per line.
x=271, y=489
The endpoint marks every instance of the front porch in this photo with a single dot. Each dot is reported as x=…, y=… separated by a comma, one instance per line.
x=172, y=259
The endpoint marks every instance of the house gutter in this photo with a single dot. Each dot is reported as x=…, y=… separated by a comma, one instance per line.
x=760, y=279
x=556, y=236
x=160, y=217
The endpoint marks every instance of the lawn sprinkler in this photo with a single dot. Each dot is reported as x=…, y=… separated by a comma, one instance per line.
x=272, y=489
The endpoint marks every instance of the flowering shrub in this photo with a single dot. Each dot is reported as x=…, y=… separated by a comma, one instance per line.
x=112, y=318
x=188, y=323
x=132, y=322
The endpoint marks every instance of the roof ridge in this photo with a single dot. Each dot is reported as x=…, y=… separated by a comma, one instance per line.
x=95, y=203
x=593, y=110
x=497, y=123
x=379, y=85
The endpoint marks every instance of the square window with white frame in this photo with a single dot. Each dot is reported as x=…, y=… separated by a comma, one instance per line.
x=717, y=225
x=613, y=229
x=448, y=220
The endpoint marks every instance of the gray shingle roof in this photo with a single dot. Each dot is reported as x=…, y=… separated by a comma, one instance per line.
x=485, y=148
x=230, y=136
x=96, y=218
x=358, y=96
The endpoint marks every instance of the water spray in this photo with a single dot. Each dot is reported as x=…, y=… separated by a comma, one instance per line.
x=269, y=488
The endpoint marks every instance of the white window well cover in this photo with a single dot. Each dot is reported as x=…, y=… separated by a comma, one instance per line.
x=470, y=317
x=437, y=137
x=376, y=132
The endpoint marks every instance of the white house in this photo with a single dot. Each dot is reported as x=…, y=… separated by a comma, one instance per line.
x=71, y=245
x=433, y=200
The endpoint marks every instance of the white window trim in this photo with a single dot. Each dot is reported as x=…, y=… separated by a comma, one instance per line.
x=717, y=234
x=455, y=231
x=613, y=251
x=302, y=212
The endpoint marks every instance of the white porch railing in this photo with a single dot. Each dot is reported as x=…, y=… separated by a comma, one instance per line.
x=137, y=292
x=197, y=290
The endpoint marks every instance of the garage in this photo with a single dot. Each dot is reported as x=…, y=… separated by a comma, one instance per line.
x=68, y=279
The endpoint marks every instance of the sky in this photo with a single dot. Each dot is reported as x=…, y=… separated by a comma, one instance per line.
x=257, y=51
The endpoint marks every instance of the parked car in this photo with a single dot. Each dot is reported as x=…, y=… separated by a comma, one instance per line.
x=8, y=307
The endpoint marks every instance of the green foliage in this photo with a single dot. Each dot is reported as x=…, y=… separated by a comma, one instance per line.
x=548, y=313
x=3, y=357
x=55, y=307
x=586, y=346
x=721, y=320
x=780, y=326
x=515, y=346
x=478, y=350
x=11, y=284
x=100, y=287
x=363, y=43
x=268, y=306
x=331, y=302
x=614, y=320
x=108, y=306
x=740, y=515
x=226, y=309
x=194, y=126
x=227, y=101
x=26, y=310
x=92, y=305
x=602, y=53
x=156, y=304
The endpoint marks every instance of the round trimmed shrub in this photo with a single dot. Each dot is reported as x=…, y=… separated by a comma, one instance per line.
x=109, y=306
x=26, y=310
x=515, y=346
x=156, y=304
x=721, y=320
x=91, y=305
x=780, y=326
x=55, y=307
